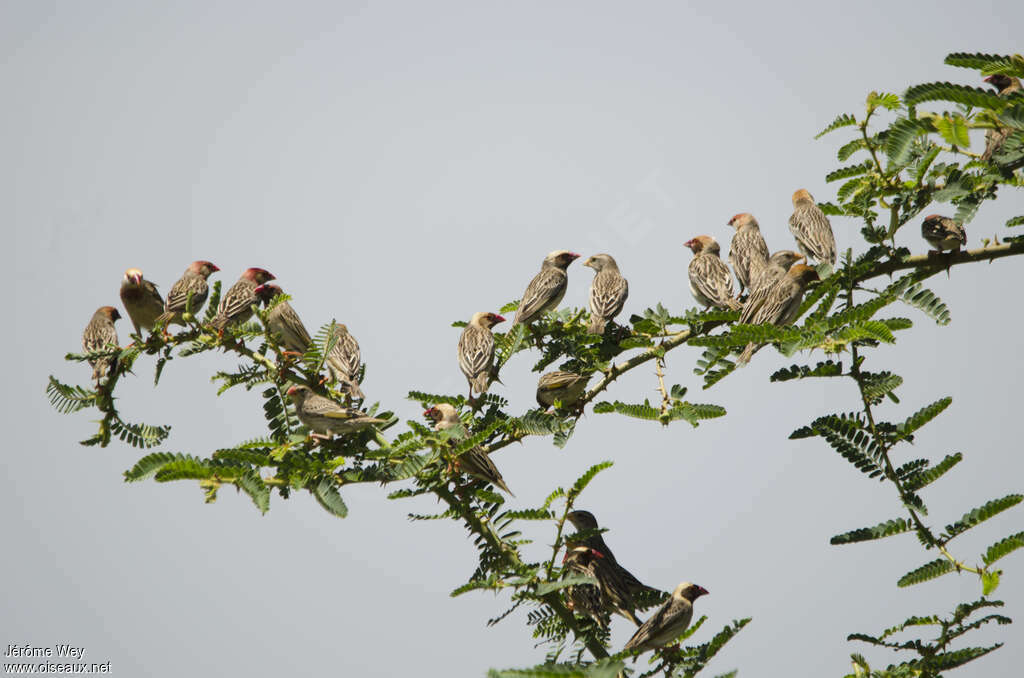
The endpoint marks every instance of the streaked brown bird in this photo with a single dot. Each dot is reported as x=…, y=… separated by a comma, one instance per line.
x=344, y=360
x=777, y=304
x=191, y=285
x=473, y=461
x=236, y=306
x=325, y=417
x=778, y=264
x=996, y=137
x=584, y=521
x=812, y=229
x=101, y=334
x=586, y=599
x=476, y=351
x=141, y=299
x=710, y=280
x=669, y=622
x=608, y=291
x=942, y=233
x=283, y=321
x=748, y=252
x=560, y=386
x=547, y=288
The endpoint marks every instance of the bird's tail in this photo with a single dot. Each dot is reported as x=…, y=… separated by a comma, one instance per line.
x=734, y=304
x=481, y=382
x=596, y=325
x=165, y=319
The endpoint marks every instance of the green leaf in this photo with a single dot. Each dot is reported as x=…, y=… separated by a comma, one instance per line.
x=988, y=64
x=885, y=100
x=949, y=660
x=926, y=301
x=546, y=587
x=989, y=582
x=252, y=484
x=67, y=399
x=900, y=141
x=849, y=171
x=886, y=529
x=829, y=368
x=926, y=572
x=922, y=417
x=644, y=411
x=849, y=148
x=150, y=464
x=843, y=120
x=915, y=481
x=960, y=94
x=982, y=513
x=877, y=385
x=1003, y=547
x=584, y=480
x=139, y=435
x=1015, y=221
x=953, y=130
x=326, y=493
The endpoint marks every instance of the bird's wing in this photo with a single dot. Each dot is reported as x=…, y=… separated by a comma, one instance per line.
x=549, y=284
x=711, y=277
x=476, y=350
x=608, y=293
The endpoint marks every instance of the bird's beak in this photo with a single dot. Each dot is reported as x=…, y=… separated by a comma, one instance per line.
x=703, y=591
x=499, y=318
x=137, y=278
x=690, y=243
x=573, y=256
x=213, y=268
x=990, y=79
x=293, y=390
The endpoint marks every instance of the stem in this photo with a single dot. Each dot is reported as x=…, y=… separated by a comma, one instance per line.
x=941, y=262
x=659, y=364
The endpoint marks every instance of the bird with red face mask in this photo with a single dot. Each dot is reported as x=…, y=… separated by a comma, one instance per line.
x=710, y=280
x=547, y=288
x=191, y=290
x=141, y=299
x=236, y=306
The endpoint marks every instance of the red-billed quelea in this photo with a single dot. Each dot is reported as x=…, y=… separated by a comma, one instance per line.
x=283, y=321
x=608, y=291
x=748, y=252
x=585, y=599
x=942, y=233
x=669, y=622
x=547, y=288
x=710, y=280
x=584, y=521
x=996, y=137
x=777, y=304
x=812, y=229
x=236, y=305
x=476, y=351
x=473, y=461
x=100, y=334
x=614, y=590
x=778, y=264
x=141, y=299
x=563, y=387
x=191, y=290
x=325, y=417
x=343, y=361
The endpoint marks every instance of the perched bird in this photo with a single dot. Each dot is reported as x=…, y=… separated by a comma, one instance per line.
x=546, y=289
x=669, y=622
x=776, y=267
x=748, y=252
x=812, y=229
x=586, y=599
x=614, y=589
x=141, y=299
x=996, y=137
x=474, y=461
x=236, y=305
x=565, y=387
x=343, y=361
x=476, y=351
x=942, y=233
x=777, y=304
x=608, y=291
x=710, y=280
x=99, y=334
x=325, y=417
x=585, y=521
x=283, y=321
x=192, y=284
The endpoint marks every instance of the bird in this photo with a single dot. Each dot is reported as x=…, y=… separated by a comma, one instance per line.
x=748, y=252
x=141, y=299
x=996, y=137
x=192, y=286
x=343, y=361
x=942, y=233
x=236, y=305
x=615, y=592
x=812, y=229
x=325, y=417
x=608, y=291
x=564, y=387
x=669, y=622
x=586, y=599
x=546, y=289
x=476, y=351
x=584, y=521
x=101, y=334
x=473, y=461
x=777, y=304
x=283, y=321
x=710, y=280
x=776, y=267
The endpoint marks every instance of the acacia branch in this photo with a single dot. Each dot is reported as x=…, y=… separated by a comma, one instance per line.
x=939, y=262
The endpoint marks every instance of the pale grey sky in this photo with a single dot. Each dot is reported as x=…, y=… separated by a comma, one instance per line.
x=399, y=167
